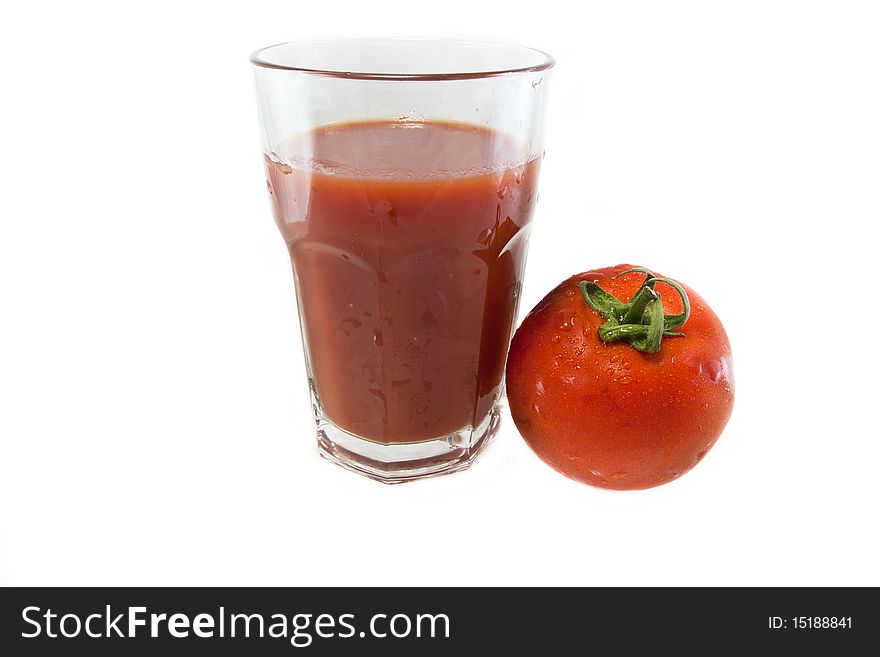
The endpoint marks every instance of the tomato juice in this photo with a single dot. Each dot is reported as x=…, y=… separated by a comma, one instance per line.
x=408, y=242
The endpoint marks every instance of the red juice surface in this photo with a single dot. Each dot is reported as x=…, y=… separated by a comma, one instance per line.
x=408, y=244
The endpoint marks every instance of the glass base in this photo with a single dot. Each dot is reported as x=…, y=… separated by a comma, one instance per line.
x=396, y=464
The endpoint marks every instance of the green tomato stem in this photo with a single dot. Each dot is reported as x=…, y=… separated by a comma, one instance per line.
x=640, y=321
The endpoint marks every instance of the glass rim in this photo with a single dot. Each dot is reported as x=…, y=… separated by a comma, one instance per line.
x=544, y=61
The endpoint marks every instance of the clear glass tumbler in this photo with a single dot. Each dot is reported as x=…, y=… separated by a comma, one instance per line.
x=403, y=175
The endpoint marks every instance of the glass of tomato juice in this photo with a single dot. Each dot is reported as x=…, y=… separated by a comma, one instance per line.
x=403, y=174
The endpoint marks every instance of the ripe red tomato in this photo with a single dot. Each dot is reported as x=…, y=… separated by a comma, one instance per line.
x=607, y=413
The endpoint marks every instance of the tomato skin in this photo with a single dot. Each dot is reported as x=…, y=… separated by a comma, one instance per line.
x=606, y=414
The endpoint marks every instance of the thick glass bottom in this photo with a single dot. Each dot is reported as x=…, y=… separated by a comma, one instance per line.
x=399, y=463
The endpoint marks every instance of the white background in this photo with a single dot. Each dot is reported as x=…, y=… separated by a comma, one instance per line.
x=154, y=421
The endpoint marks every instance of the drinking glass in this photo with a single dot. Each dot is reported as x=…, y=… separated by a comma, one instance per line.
x=403, y=175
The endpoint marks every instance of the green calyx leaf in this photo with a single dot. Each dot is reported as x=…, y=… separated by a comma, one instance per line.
x=640, y=321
